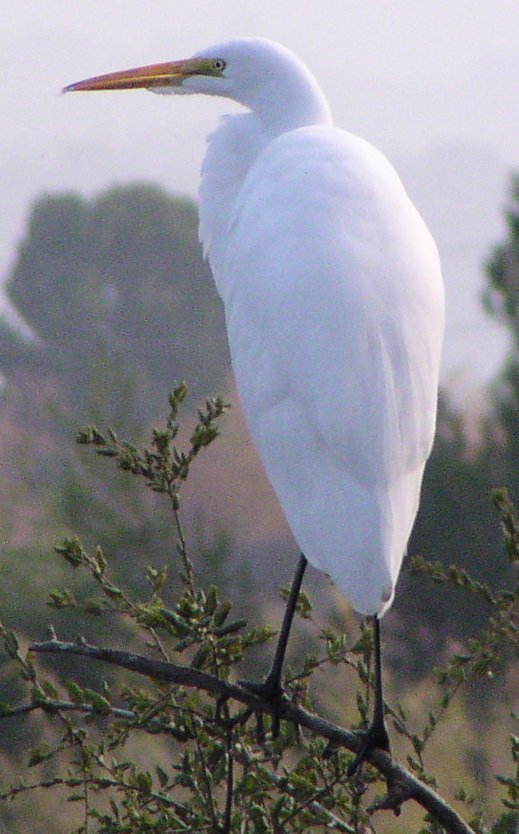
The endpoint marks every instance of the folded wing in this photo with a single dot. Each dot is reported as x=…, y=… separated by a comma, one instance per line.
x=334, y=309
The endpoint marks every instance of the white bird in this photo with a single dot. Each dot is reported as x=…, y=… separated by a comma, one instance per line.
x=334, y=306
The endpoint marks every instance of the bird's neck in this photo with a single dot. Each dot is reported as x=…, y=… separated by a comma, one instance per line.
x=232, y=149
x=235, y=145
x=303, y=103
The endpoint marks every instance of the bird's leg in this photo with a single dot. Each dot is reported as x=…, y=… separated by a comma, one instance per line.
x=273, y=679
x=272, y=688
x=376, y=737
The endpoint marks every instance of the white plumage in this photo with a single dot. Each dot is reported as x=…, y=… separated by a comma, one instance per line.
x=334, y=306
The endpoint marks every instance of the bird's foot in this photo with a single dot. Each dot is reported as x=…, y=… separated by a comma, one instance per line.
x=270, y=690
x=375, y=738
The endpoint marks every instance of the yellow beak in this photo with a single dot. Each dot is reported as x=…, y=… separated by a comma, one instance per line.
x=169, y=74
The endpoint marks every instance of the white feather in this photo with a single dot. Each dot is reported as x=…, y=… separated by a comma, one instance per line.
x=334, y=306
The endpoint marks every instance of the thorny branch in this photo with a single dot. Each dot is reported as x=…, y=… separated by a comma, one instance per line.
x=402, y=785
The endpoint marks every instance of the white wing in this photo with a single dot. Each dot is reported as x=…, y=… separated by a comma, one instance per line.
x=334, y=309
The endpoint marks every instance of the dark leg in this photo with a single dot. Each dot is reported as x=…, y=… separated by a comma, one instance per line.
x=376, y=737
x=272, y=687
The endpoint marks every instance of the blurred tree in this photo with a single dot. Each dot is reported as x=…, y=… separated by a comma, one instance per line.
x=456, y=523
x=120, y=305
x=114, y=285
x=501, y=299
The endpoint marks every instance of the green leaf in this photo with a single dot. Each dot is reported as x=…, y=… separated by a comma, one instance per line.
x=145, y=782
x=72, y=551
x=100, y=704
x=201, y=656
x=61, y=599
x=100, y=560
x=181, y=628
x=230, y=628
x=157, y=578
x=75, y=692
x=211, y=601
x=163, y=776
x=112, y=592
x=221, y=613
x=40, y=754
x=49, y=689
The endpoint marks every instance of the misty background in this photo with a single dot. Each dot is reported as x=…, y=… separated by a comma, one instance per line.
x=435, y=85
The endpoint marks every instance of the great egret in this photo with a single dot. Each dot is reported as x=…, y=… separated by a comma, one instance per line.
x=334, y=306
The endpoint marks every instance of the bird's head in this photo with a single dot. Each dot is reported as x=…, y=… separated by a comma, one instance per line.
x=260, y=74
x=199, y=74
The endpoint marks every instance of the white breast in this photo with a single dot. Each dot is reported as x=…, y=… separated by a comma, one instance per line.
x=334, y=307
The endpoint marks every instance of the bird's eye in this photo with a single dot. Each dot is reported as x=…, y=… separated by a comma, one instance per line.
x=218, y=65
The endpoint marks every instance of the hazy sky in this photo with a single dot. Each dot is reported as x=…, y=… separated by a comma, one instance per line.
x=433, y=83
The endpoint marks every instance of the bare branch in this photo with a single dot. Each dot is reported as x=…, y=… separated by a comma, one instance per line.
x=53, y=705
x=402, y=785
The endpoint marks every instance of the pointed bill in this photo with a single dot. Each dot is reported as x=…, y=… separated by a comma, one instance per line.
x=168, y=74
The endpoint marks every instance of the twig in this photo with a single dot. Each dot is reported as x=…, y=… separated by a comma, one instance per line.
x=182, y=548
x=395, y=775
x=60, y=781
x=229, y=790
x=207, y=782
x=53, y=705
